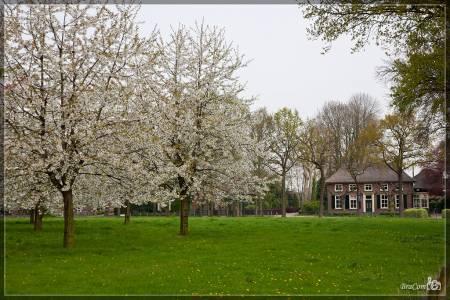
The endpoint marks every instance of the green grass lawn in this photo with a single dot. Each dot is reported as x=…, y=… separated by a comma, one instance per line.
x=247, y=255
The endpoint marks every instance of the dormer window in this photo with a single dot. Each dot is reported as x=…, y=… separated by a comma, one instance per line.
x=367, y=187
x=338, y=188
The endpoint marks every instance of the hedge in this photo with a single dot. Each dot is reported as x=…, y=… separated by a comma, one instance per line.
x=311, y=207
x=416, y=213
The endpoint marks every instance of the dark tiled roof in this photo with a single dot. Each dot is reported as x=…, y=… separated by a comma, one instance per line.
x=371, y=174
x=430, y=180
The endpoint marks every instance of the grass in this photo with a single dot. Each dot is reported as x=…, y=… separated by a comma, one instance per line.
x=248, y=255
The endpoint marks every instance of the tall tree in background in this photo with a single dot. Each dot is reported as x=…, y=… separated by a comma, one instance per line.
x=400, y=146
x=344, y=121
x=314, y=148
x=284, y=142
x=361, y=154
x=333, y=116
x=361, y=109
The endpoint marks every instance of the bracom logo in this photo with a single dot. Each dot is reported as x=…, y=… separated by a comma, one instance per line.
x=431, y=285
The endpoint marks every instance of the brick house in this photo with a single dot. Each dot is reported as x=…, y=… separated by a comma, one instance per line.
x=377, y=191
x=428, y=185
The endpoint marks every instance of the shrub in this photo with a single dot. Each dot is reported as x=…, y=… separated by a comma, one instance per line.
x=311, y=207
x=445, y=213
x=250, y=206
x=344, y=213
x=416, y=213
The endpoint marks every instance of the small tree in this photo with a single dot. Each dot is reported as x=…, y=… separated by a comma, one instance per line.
x=284, y=141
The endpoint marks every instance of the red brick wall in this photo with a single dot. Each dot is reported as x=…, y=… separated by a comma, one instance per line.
x=330, y=192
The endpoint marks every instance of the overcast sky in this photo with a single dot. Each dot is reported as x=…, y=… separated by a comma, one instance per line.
x=286, y=69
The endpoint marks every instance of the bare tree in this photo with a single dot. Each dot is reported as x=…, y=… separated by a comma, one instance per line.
x=360, y=155
x=314, y=149
x=344, y=122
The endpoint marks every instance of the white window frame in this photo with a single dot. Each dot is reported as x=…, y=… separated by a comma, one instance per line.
x=352, y=187
x=384, y=189
x=397, y=201
x=417, y=200
x=366, y=187
x=353, y=198
x=426, y=199
x=336, y=187
x=337, y=198
x=384, y=197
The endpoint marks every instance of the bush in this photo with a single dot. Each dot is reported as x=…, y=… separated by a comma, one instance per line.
x=416, y=213
x=344, y=213
x=311, y=207
x=436, y=204
x=445, y=213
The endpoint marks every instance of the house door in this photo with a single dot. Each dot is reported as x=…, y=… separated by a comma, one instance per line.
x=369, y=207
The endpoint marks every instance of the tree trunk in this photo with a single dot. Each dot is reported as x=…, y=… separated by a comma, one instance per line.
x=210, y=209
x=300, y=202
x=359, y=200
x=127, y=212
x=261, y=212
x=322, y=190
x=184, y=206
x=32, y=216
x=283, y=195
x=400, y=190
x=69, y=224
x=184, y=215
x=37, y=224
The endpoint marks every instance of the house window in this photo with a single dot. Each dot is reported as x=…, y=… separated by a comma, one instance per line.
x=352, y=187
x=397, y=203
x=353, y=203
x=338, y=188
x=367, y=187
x=425, y=201
x=337, y=202
x=384, y=187
x=416, y=201
x=384, y=201
x=397, y=188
